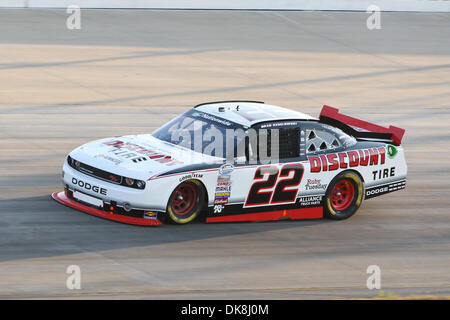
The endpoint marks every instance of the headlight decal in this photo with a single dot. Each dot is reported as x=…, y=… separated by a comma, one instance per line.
x=104, y=175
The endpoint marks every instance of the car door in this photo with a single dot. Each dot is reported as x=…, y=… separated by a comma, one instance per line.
x=275, y=178
x=264, y=185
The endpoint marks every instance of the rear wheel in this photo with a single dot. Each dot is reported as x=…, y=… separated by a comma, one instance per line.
x=344, y=196
x=185, y=202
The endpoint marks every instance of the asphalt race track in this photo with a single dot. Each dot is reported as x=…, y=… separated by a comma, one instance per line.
x=128, y=72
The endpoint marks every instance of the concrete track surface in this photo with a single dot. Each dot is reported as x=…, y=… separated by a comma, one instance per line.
x=128, y=72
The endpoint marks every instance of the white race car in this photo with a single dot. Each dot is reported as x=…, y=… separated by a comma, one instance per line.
x=236, y=161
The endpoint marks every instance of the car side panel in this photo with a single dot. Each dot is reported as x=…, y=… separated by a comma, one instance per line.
x=229, y=187
x=376, y=165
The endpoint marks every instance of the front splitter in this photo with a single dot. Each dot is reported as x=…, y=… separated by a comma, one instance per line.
x=62, y=198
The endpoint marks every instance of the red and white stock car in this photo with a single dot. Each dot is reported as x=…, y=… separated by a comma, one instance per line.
x=325, y=167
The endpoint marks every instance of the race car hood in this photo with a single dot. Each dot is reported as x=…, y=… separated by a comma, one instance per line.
x=137, y=156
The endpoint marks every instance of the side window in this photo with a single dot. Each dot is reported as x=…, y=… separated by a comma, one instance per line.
x=315, y=138
x=288, y=143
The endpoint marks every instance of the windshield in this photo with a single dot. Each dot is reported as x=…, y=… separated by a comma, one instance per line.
x=203, y=133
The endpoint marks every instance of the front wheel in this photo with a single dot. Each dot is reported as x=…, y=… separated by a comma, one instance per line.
x=344, y=196
x=185, y=202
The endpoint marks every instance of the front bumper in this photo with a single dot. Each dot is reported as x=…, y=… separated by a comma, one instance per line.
x=62, y=197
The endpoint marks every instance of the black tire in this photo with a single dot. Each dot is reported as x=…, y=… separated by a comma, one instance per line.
x=178, y=213
x=344, y=196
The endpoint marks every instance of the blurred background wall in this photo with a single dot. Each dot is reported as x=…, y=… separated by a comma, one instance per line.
x=357, y=5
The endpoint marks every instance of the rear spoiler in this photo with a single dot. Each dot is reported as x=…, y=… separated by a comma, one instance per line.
x=359, y=128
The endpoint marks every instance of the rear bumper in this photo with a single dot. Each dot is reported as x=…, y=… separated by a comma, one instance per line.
x=62, y=198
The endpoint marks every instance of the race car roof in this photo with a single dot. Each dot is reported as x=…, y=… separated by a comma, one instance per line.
x=249, y=113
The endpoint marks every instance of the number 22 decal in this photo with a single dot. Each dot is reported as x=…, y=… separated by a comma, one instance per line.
x=266, y=177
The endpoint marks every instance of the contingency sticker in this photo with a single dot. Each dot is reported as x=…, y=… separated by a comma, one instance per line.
x=223, y=187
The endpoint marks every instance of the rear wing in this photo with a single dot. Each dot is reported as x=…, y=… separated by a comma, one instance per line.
x=359, y=128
